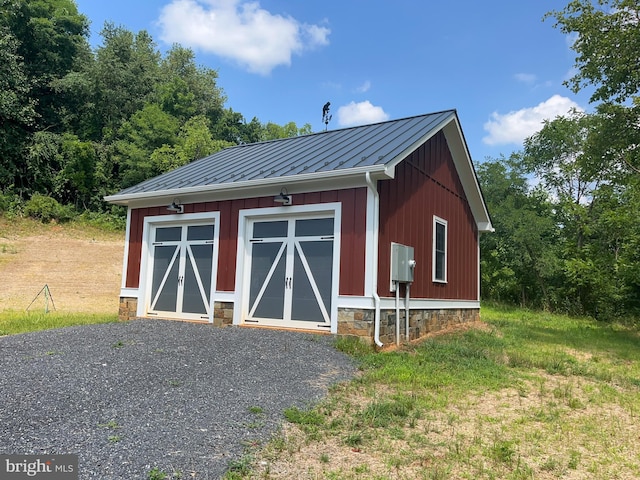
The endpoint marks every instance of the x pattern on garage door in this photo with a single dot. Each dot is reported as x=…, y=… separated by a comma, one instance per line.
x=291, y=272
x=182, y=259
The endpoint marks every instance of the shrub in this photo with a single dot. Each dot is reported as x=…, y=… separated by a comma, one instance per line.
x=113, y=221
x=11, y=204
x=46, y=209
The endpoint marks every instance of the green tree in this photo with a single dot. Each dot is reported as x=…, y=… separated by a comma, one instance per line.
x=607, y=44
x=76, y=181
x=520, y=261
x=17, y=112
x=606, y=37
x=273, y=131
x=194, y=141
x=558, y=157
x=42, y=42
x=186, y=90
x=124, y=78
x=148, y=129
x=595, y=208
x=52, y=37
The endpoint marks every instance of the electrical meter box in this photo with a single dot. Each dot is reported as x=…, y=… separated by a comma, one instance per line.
x=402, y=264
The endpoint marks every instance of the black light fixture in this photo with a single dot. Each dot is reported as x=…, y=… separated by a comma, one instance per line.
x=176, y=206
x=283, y=197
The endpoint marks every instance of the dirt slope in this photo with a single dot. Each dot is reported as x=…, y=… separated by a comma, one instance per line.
x=82, y=268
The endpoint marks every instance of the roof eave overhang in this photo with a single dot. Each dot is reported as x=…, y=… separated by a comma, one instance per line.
x=251, y=188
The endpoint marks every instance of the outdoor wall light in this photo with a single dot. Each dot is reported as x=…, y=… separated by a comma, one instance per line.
x=283, y=197
x=176, y=206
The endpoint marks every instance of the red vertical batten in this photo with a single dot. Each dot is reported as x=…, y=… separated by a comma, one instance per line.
x=352, y=260
x=427, y=184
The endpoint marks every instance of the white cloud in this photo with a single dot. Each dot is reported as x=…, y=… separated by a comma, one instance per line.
x=361, y=113
x=239, y=30
x=515, y=126
x=528, y=78
x=364, y=87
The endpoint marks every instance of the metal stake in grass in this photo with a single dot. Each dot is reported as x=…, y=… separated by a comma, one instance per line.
x=47, y=297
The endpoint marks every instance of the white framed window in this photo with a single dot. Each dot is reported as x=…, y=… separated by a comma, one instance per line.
x=439, y=250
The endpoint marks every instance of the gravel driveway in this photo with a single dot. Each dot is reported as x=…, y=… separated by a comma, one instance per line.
x=129, y=397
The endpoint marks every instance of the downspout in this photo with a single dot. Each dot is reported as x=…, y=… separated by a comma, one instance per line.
x=375, y=220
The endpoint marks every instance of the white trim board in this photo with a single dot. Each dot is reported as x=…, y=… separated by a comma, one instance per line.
x=129, y=292
x=389, y=303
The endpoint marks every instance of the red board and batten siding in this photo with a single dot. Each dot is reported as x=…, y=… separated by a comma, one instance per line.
x=353, y=233
x=427, y=184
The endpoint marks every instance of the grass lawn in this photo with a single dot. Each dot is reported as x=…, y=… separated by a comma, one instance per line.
x=526, y=396
x=12, y=322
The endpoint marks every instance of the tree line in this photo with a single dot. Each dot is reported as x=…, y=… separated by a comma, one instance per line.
x=566, y=208
x=78, y=123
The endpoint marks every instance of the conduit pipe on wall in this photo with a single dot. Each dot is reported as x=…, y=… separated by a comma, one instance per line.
x=398, y=313
x=374, y=227
x=407, y=286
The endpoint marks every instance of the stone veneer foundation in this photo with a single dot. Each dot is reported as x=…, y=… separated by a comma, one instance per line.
x=360, y=323
x=222, y=311
x=354, y=322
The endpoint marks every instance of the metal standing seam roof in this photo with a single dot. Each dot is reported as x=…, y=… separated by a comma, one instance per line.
x=373, y=145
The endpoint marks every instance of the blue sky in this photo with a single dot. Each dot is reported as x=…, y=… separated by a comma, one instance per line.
x=496, y=62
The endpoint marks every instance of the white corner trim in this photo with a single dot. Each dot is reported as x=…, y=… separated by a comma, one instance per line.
x=371, y=256
x=125, y=257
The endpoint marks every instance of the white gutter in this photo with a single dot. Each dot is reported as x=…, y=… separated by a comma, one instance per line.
x=374, y=270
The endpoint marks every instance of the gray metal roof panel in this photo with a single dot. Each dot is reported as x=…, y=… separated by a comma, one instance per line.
x=363, y=146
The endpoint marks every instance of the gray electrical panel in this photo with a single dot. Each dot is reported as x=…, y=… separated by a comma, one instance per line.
x=402, y=264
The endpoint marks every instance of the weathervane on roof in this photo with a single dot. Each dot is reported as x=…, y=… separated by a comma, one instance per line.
x=326, y=118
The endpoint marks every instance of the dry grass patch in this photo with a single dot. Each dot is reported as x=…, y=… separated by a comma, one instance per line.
x=545, y=428
x=82, y=266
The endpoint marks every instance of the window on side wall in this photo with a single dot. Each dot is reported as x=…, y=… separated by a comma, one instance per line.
x=439, y=250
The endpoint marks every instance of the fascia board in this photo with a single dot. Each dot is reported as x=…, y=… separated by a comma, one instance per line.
x=467, y=174
x=391, y=164
x=253, y=188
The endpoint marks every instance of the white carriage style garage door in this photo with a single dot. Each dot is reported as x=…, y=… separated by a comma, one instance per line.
x=291, y=272
x=182, y=260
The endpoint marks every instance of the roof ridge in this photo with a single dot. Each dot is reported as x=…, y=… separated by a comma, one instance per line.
x=343, y=129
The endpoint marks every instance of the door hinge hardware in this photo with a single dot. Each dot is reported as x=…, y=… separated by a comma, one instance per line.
x=253, y=240
x=251, y=321
x=324, y=326
x=329, y=237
